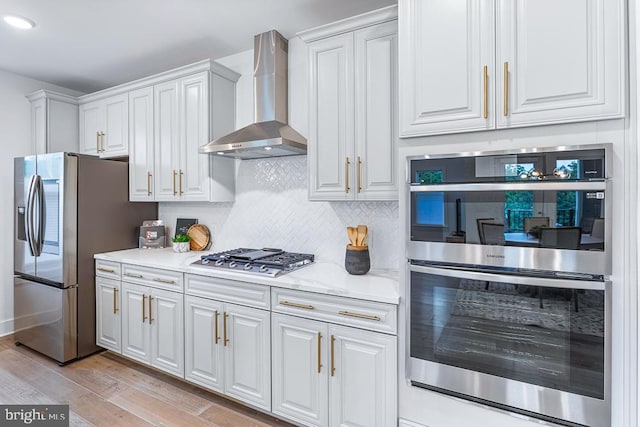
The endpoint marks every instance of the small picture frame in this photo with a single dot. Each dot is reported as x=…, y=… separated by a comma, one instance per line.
x=183, y=224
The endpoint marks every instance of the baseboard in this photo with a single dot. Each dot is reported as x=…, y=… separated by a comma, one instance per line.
x=6, y=327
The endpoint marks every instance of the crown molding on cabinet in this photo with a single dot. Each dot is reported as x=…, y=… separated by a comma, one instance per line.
x=48, y=94
x=204, y=65
x=389, y=13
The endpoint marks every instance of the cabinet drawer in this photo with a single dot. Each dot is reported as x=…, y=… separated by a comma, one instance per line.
x=108, y=269
x=370, y=315
x=154, y=277
x=234, y=291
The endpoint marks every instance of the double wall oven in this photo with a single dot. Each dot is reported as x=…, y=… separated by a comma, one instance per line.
x=508, y=292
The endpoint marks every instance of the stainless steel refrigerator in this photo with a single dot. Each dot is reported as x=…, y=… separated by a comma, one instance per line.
x=67, y=207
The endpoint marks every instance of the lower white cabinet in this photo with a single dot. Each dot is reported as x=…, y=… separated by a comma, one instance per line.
x=108, y=331
x=332, y=375
x=228, y=349
x=153, y=326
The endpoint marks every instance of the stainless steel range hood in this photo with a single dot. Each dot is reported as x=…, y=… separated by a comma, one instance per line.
x=269, y=136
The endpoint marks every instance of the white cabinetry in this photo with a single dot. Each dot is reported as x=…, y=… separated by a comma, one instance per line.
x=108, y=306
x=104, y=126
x=54, y=122
x=327, y=374
x=495, y=64
x=228, y=345
x=168, y=124
x=352, y=110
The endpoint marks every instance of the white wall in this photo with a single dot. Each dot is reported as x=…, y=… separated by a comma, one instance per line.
x=15, y=141
x=272, y=207
x=437, y=410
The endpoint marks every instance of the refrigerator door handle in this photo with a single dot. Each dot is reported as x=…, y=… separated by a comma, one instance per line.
x=29, y=211
x=41, y=213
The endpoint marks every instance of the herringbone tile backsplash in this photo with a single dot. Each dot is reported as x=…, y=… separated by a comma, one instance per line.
x=272, y=210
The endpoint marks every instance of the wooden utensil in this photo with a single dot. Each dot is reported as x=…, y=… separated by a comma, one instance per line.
x=200, y=237
x=361, y=234
x=364, y=236
x=352, y=233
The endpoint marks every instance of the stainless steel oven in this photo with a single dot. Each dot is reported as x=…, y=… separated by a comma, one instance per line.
x=508, y=297
x=541, y=209
x=531, y=344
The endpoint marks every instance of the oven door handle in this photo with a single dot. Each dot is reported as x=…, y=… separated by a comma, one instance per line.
x=561, y=282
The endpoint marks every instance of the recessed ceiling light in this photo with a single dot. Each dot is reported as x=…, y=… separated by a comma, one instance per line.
x=267, y=148
x=19, y=22
x=220, y=153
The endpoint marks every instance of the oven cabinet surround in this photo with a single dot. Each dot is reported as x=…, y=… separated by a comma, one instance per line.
x=326, y=372
x=162, y=120
x=255, y=339
x=495, y=64
x=104, y=126
x=228, y=345
x=352, y=71
x=54, y=122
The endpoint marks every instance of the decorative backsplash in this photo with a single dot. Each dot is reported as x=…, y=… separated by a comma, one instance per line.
x=272, y=210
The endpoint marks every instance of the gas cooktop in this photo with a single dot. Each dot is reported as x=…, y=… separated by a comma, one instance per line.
x=263, y=262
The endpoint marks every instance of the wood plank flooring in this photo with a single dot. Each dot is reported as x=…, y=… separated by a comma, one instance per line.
x=108, y=390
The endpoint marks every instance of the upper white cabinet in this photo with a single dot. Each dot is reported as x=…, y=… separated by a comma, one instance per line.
x=54, y=122
x=104, y=129
x=493, y=64
x=353, y=108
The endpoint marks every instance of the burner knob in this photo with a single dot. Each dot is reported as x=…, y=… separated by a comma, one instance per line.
x=204, y=261
x=233, y=264
x=247, y=266
x=263, y=268
x=219, y=262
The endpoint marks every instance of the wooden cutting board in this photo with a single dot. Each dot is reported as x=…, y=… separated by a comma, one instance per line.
x=200, y=237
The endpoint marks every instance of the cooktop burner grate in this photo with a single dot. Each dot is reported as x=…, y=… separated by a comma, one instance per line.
x=267, y=261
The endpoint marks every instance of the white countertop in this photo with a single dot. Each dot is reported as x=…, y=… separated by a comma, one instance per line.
x=325, y=278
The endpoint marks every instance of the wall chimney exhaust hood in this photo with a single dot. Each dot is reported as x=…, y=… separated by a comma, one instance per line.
x=269, y=136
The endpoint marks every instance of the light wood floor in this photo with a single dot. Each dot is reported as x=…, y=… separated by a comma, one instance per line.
x=108, y=390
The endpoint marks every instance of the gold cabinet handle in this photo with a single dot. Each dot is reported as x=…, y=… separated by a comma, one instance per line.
x=333, y=366
x=106, y=270
x=98, y=142
x=150, y=308
x=148, y=183
x=171, y=282
x=144, y=309
x=319, y=352
x=115, y=300
x=181, y=173
x=506, y=89
x=358, y=315
x=485, y=91
x=217, y=336
x=225, y=340
x=137, y=276
x=102, y=141
x=346, y=175
x=174, y=182
x=359, y=174
x=294, y=304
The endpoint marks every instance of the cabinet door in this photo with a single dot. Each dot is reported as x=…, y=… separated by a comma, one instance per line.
x=445, y=46
x=362, y=388
x=562, y=66
x=246, y=336
x=331, y=118
x=166, y=133
x=167, y=331
x=39, y=125
x=376, y=133
x=300, y=370
x=203, y=342
x=136, y=338
x=90, y=123
x=141, y=184
x=108, y=319
x=193, y=179
x=115, y=140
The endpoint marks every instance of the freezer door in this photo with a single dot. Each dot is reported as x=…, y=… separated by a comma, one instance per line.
x=46, y=319
x=56, y=221
x=24, y=260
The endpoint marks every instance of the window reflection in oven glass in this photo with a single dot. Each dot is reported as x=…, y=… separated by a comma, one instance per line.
x=545, y=336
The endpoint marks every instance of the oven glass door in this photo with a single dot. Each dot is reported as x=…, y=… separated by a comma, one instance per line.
x=545, y=332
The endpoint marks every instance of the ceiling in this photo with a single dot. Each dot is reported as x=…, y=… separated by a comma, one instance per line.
x=88, y=45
